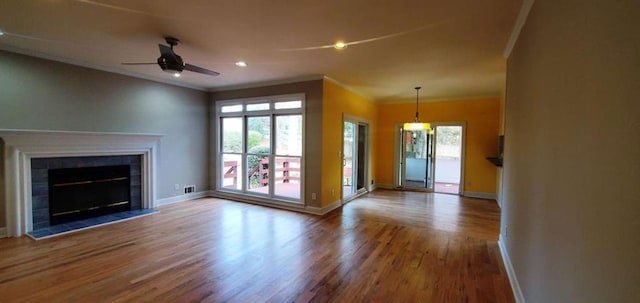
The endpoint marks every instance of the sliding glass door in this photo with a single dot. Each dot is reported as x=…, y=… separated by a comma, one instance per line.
x=354, y=158
x=416, y=163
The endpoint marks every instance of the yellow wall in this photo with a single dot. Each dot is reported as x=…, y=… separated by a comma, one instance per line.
x=336, y=102
x=482, y=119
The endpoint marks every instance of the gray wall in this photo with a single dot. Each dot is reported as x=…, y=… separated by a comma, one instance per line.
x=39, y=94
x=313, y=127
x=2, y=198
x=571, y=214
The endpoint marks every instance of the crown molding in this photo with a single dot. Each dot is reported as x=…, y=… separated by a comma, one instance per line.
x=453, y=99
x=517, y=28
x=267, y=83
x=349, y=88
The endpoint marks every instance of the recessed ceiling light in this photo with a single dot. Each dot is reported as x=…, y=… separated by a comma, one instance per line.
x=340, y=45
x=241, y=64
x=1, y=33
x=177, y=75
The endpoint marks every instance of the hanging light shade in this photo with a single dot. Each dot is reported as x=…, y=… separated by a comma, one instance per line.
x=416, y=124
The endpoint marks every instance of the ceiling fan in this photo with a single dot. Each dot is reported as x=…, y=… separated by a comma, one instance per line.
x=170, y=62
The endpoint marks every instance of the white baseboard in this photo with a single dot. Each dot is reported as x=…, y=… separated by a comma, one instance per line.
x=282, y=204
x=3, y=232
x=325, y=209
x=181, y=198
x=479, y=195
x=515, y=286
x=277, y=204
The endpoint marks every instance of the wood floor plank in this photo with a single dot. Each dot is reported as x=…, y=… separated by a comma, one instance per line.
x=387, y=246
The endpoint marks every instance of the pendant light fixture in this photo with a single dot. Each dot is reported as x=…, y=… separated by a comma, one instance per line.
x=416, y=125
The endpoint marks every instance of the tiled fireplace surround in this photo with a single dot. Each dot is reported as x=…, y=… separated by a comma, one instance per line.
x=40, y=180
x=23, y=146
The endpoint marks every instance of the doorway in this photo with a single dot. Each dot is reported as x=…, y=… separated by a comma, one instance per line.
x=354, y=158
x=431, y=160
x=448, y=160
x=416, y=161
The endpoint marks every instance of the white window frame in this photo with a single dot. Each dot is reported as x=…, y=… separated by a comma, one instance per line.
x=244, y=114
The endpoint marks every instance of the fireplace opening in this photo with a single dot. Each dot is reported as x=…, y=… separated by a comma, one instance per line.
x=85, y=192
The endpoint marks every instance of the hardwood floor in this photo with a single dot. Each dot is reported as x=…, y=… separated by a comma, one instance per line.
x=386, y=246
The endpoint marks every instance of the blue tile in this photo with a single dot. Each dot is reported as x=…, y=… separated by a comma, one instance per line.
x=40, y=225
x=104, y=219
x=38, y=163
x=39, y=174
x=60, y=228
x=78, y=224
x=121, y=215
x=52, y=230
x=40, y=202
x=40, y=189
x=41, y=233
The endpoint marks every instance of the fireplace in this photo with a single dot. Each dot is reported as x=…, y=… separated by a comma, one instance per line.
x=80, y=193
x=27, y=169
x=66, y=189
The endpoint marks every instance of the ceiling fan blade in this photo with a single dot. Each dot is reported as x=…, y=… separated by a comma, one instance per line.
x=139, y=63
x=167, y=52
x=201, y=70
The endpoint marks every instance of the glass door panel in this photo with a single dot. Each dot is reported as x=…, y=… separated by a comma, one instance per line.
x=417, y=159
x=231, y=171
x=361, y=158
x=448, y=160
x=231, y=149
x=258, y=151
x=348, y=154
x=287, y=177
x=287, y=160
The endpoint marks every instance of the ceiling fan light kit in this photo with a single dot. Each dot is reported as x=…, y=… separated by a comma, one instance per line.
x=172, y=63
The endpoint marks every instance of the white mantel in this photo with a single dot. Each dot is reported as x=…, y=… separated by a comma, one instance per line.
x=20, y=146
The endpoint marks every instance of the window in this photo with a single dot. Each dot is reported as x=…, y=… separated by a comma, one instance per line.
x=288, y=104
x=261, y=147
x=231, y=137
x=258, y=106
x=231, y=109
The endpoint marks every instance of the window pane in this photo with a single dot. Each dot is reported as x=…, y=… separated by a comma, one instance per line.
x=257, y=106
x=287, y=177
x=231, y=108
x=231, y=171
x=289, y=135
x=258, y=173
x=231, y=135
x=259, y=141
x=288, y=104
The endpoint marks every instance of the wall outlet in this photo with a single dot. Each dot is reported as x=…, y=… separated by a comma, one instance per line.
x=189, y=189
x=176, y=186
x=371, y=181
x=313, y=196
x=333, y=192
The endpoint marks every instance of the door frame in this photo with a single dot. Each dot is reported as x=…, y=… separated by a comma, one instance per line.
x=463, y=150
x=399, y=166
x=367, y=154
x=398, y=172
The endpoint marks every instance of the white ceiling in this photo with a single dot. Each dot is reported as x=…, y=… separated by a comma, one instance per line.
x=453, y=48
